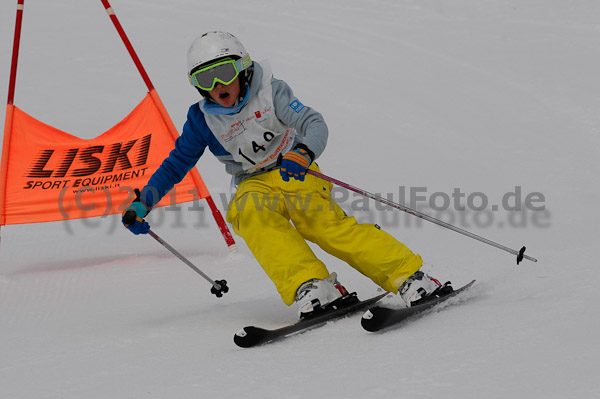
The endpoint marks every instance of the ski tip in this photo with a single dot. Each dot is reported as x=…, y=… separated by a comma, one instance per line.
x=248, y=337
x=366, y=321
x=370, y=322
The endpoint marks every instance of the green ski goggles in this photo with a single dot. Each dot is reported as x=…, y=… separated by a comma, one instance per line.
x=224, y=71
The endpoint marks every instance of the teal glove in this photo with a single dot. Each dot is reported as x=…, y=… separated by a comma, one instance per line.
x=134, y=214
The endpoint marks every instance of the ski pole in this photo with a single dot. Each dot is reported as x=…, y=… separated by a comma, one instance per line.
x=520, y=253
x=219, y=287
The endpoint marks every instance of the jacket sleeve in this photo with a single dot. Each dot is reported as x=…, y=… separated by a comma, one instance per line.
x=309, y=124
x=189, y=147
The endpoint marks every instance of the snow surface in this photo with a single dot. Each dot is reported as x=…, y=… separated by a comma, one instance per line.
x=479, y=95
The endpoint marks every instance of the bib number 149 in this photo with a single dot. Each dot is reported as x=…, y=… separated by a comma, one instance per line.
x=267, y=136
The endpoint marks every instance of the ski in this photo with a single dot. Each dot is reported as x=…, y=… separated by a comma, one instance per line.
x=379, y=318
x=251, y=336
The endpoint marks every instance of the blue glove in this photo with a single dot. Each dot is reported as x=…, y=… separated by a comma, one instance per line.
x=134, y=214
x=294, y=163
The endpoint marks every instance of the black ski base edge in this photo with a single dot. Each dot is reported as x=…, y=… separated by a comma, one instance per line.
x=251, y=336
x=379, y=318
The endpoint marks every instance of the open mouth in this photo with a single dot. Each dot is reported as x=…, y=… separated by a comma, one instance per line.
x=224, y=95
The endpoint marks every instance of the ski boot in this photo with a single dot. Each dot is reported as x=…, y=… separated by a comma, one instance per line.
x=317, y=296
x=420, y=286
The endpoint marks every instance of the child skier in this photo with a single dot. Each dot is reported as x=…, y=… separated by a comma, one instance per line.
x=267, y=140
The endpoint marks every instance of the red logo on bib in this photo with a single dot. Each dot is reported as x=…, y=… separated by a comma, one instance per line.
x=257, y=114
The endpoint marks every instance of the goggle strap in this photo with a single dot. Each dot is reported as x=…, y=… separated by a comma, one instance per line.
x=243, y=63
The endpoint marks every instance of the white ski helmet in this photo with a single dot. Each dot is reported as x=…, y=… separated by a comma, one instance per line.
x=215, y=45
x=211, y=46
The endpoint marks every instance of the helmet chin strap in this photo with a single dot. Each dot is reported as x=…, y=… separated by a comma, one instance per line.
x=204, y=93
x=245, y=82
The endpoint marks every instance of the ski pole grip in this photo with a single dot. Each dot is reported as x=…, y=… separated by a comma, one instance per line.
x=129, y=217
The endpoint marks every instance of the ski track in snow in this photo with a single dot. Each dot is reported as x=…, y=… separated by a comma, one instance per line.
x=481, y=95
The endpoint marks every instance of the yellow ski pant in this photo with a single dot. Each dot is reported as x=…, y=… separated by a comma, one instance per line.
x=262, y=209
